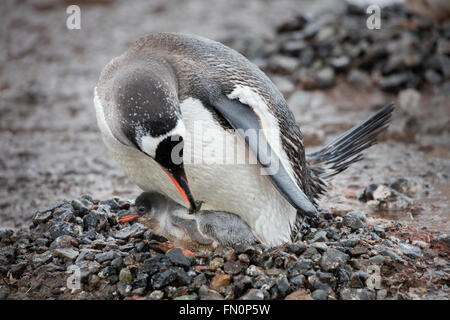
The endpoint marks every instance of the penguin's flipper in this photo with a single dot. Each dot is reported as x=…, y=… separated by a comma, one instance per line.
x=241, y=116
x=191, y=228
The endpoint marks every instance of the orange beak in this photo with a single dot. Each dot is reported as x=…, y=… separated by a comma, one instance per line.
x=181, y=182
x=128, y=218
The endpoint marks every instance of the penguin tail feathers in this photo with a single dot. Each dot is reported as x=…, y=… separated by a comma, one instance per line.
x=346, y=149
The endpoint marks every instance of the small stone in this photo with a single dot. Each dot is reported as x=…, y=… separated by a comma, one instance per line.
x=326, y=78
x=4, y=292
x=216, y=263
x=156, y=295
x=358, y=250
x=358, y=279
x=61, y=228
x=177, y=257
x=208, y=294
x=300, y=266
x=106, y=256
x=320, y=236
x=124, y=289
x=154, y=264
x=300, y=294
x=378, y=259
x=296, y=248
x=352, y=221
x=244, y=258
x=381, y=294
x=134, y=231
x=409, y=101
x=410, y=250
x=284, y=64
x=232, y=267
x=117, y=263
x=254, y=271
x=321, y=246
x=42, y=217
x=199, y=280
x=162, y=279
x=333, y=259
x=220, y=281
x=67, y=253
x=230, y=255
x=319, y=294
x=298, y=280
x=125, y=275
x=42, y=258
x=79, y=208
x=253, y=294
x=187, y=297
x=282, y=285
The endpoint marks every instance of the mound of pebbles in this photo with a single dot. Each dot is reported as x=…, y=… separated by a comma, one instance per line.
x=79, y=242
x=406, y=52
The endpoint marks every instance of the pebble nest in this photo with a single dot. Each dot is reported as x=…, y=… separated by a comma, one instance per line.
x=342, y=257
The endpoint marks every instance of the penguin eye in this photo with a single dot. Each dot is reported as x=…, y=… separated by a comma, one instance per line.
x=141, y=209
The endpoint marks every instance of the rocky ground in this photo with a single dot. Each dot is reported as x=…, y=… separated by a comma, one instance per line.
x=385, y=228
x=343, y=257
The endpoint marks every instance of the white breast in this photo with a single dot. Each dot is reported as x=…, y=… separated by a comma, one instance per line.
x=221, y=184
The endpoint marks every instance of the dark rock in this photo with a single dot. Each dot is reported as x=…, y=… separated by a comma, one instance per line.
x=208, y=294
x=333, y=259
x=253, y=294
x=319, y=294
x=141, y=281
x=106, y=256
x=300, y=266
x=154, y=264
x=352, y=221
x=16, y=270
x=136, y=230
x=60, y=228
x=177, y=258
x=199, y=280
x=232, y=267
x=296, y=248
x=79, y=207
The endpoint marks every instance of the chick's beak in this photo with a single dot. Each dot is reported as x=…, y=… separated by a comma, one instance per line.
x=128, y=217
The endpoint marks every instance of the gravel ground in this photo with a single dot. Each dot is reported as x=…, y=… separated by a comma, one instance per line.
x=385, y=229
x=343, y=257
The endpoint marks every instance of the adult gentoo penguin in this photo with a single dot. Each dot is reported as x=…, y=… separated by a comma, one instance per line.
x=151, y=100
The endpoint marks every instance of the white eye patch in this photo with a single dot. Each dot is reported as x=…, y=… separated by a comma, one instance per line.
x=149, y=144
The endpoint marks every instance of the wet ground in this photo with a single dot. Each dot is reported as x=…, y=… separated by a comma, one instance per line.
x=51, y=148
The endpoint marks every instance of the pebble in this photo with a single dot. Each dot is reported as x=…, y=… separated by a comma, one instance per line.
x=319, y=294
x=156, y=295
x=68, y=253
x=177, y=258
x=216, y=263
x=220, y=281
x=232, y=267
x=125, y=275
x=253, y=294
x=134, y=231
x=333, y=259
x=321, y=246
x=352, y=221
x=208, y=294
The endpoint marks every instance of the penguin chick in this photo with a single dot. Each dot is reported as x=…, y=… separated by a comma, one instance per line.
x=203, y=229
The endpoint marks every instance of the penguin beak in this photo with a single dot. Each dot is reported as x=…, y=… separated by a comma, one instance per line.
x=181, y=182
x=127, y=218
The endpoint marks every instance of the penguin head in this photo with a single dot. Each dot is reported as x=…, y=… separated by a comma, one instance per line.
x=148, y=205
x=149, y=115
